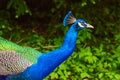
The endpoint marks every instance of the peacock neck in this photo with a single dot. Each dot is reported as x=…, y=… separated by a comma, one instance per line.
x=70, y=39
x=49, y=61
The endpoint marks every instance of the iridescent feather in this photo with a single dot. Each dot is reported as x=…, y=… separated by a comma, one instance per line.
x=12, y=63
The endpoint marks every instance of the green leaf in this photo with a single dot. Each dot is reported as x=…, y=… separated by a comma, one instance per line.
x=84, y=74
x=100, y=75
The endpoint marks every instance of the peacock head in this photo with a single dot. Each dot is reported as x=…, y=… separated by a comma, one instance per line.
x=77, y=23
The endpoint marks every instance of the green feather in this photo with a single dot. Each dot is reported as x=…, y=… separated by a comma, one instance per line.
x=27, y=52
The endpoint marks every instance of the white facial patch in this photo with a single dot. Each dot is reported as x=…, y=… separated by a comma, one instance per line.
x=80, y=24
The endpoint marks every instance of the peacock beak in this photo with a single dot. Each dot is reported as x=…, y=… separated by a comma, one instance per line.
x=89, y=26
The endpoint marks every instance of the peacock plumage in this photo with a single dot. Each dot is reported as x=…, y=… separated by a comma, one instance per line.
x=15, y=63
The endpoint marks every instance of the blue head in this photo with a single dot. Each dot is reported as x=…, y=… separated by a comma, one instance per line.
x=77, y=23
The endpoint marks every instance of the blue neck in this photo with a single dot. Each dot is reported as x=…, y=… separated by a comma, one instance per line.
x=49, y=61
x=70, y=39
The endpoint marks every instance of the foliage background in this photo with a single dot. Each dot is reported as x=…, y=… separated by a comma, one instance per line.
x=38, y=24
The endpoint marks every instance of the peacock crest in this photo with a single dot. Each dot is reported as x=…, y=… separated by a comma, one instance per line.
x=69, y=19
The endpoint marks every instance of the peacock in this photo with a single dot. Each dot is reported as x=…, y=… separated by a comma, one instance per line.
x=25, y=63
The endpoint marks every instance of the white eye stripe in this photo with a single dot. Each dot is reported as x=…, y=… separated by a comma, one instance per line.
x=80, y=24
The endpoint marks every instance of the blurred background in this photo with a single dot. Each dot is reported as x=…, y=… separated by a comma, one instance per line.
x=38, y=24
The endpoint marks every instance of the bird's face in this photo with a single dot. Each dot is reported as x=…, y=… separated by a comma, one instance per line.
x=81, y=24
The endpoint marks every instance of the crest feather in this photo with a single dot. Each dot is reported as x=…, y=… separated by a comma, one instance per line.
x=69, y=19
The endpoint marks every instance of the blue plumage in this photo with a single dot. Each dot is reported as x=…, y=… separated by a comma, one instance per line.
x=66, y=18
x=46, y=63
x=3, y=77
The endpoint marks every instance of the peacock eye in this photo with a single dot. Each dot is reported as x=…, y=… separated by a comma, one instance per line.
x=83, y=23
